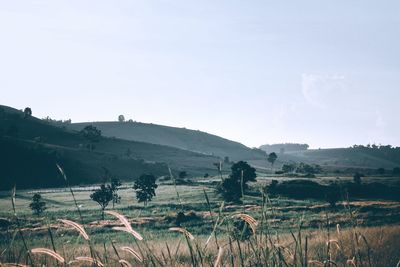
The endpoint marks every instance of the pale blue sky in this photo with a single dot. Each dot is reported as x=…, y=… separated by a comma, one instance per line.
x=326, y=73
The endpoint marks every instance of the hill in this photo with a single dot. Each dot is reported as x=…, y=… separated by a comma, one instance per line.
x=31, y=147
x=357, y=157
x=182, y=138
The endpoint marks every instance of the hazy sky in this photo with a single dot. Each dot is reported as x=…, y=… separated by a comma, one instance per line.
x=326, y=73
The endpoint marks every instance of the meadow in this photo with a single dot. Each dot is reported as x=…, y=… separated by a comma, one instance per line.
x=190, y=225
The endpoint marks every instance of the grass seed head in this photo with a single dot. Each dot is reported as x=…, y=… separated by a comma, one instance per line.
x=49, y=252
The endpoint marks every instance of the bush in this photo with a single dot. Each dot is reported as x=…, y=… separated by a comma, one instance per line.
x=231, y=188
x=37, y=205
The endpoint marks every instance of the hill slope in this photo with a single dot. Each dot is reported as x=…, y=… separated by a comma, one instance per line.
x=31, y=147
x=341, y=158
x=182, y=138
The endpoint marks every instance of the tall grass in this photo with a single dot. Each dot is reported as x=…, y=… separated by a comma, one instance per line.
x=328, y=246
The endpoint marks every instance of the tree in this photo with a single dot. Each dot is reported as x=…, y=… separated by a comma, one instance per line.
x=27, y=112
x=233, y=187
x=103, y=196
x=37, y=205
x=115, y=184
x=287, y=168
x=121, y=118
x=145, y=187
x=272, y=158
x=92, y=134
x=308, y=169
x=380, y=171
x=396, y=171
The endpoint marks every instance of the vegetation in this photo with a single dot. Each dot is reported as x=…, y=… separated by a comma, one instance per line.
x=261, y=232
x=27, y=112
x=272, y=158
x=182, y=175
x=181, y=138
x=145, y=187
x=115, y=184
x=232, y=188
x=272, y=220
x=30, y=148
x=37, y=205
x=121, y=118
x=103, y=196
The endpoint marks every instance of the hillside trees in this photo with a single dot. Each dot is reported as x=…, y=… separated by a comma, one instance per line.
x=92, y=134
x=145, y=187
x=232, y=188
x=288, y=168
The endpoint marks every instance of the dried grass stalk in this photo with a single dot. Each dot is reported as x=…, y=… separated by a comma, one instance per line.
x=249, y=220
x=87, y=259
x=315, y=262
x=49, y=252
x=77, y=226
x=183, y=231
x=125, y=263
x=218, y=261
x=133, y=252
x=125, y=222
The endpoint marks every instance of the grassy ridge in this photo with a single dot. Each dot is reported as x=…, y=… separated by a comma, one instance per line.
x=182, y=138
x=31, y=147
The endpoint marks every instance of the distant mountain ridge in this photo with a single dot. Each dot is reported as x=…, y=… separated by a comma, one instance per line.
x=192, y=140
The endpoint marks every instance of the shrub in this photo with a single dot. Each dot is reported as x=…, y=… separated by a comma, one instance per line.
x=37, y=205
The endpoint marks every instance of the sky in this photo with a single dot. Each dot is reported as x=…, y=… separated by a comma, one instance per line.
x=326, y=73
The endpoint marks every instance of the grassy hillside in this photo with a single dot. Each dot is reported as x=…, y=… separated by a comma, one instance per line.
x=31, y=147
x=341, y=158
x=346, y=157
x=192, y=140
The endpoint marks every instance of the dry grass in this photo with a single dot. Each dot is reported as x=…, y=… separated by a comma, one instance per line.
x=328, y=246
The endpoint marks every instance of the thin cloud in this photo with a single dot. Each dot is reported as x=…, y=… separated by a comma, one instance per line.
x=319, y=90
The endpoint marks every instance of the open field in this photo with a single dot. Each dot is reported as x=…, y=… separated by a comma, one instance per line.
x=278, y=218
